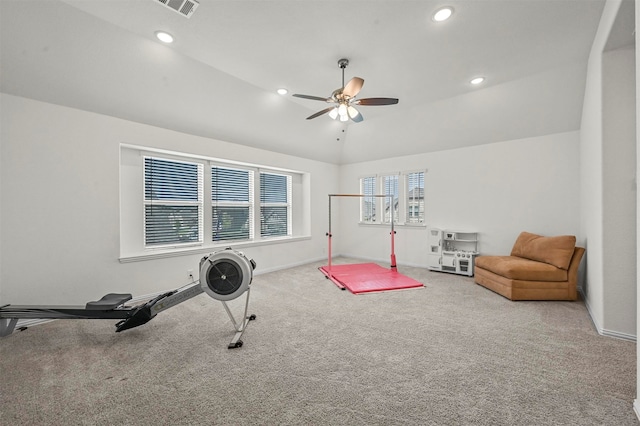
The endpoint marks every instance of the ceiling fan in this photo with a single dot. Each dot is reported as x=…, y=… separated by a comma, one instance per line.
x=344, y=99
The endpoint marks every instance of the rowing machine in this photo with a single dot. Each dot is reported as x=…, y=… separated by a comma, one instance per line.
x=224, y=276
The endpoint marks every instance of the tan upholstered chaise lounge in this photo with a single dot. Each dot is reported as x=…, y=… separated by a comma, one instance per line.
x=539, y=268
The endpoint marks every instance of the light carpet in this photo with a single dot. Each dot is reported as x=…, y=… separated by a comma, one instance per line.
x=451, y=353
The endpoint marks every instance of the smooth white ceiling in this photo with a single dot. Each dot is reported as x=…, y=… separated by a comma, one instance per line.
x=220, y=76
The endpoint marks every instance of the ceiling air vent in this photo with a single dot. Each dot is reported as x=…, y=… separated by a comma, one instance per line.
x=183, y=7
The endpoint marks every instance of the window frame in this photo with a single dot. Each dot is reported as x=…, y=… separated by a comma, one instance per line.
x=383, y=181
x=132, y=222
x=422, y=220
x=151, y=202
x=402, y=212
x=249, y=203
x=369, y=202
x=266, y=204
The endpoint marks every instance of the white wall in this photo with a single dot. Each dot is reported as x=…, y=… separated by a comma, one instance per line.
x=591, y=176
x=498, y=190
x=636, y=402
x=619, y=190
x=60, y=205
x=607, y=190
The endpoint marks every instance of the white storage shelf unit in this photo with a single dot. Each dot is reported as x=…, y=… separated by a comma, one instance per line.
x=452, y=251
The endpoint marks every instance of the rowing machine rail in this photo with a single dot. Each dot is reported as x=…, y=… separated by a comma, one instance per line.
x=224, y=275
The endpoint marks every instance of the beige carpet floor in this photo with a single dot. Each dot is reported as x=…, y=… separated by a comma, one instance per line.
x=451, y=353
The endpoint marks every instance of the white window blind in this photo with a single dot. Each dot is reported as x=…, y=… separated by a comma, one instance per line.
x=275, y=205
x=173, y=202
x=368, y=202
x=231, y=204
x=415, y=197
x=390, y=187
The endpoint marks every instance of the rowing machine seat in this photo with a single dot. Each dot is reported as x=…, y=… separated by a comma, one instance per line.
x=108, y=302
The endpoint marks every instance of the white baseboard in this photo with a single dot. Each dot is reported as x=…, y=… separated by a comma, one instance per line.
x=603, y=331
x=636, y=408
x=618, y=335
x=261, y=271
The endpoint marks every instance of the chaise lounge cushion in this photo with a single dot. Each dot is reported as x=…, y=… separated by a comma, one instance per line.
x=556, y=251
x=517, y=268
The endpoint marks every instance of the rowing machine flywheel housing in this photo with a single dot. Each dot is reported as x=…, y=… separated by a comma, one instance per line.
x=226, y=274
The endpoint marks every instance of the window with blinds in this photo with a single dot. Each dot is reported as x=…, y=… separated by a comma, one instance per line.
x=404, y=198
x=391, y=204
x=368, y=202
x=231, y=204
x=173, y=202
x=415, y=197
x=275, y=205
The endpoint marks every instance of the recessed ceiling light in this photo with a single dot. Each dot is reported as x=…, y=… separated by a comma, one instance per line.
x=443, y=14
x=164, y=37
x=282, y=91
x=477, y=80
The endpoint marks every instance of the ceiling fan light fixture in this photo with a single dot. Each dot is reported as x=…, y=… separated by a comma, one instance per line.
x=282, y=91
x=443, y=14
x=164, y=37
x=344, y=98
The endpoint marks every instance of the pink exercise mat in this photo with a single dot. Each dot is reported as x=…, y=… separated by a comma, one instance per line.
x=368, y=277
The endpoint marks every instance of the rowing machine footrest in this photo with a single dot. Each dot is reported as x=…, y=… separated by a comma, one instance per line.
x=142, y=314
x=108, y=302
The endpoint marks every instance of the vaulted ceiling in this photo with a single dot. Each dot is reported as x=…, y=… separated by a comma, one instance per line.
x=219, y=78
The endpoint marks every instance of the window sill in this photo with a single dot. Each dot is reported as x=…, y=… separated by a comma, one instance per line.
x=165, y=253
x=401, y=225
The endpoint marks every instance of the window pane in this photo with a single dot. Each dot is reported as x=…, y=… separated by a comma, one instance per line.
x=170, y=180
x=368, y=208
x=171, y=224
x=273, y=188
x=391, y=188
x=275, y=205
x=232, y=201
x=273, y=221
x=231, y=223
x=173, y=202
x=415, y=197
x=229, y=184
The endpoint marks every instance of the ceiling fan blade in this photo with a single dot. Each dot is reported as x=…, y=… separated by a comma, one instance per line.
x=353, y=87
x=313, y=98
x=376, y=101
x=319, y=113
